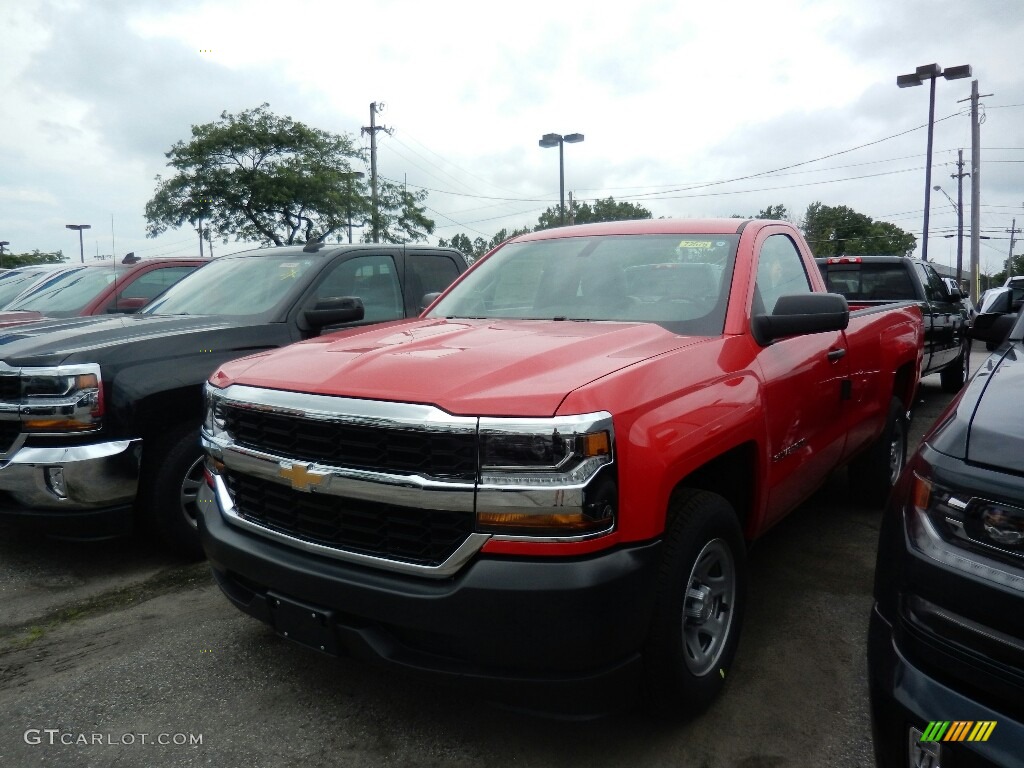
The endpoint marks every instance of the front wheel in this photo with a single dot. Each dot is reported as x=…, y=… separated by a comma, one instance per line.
x=874, y=473
x=172, y=476
x=699, y=608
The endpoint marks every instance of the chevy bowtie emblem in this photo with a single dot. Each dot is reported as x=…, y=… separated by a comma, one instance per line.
x=301, y=476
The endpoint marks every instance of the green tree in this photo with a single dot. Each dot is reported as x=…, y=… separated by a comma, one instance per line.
x=777, y=212
x=11, y=260
x=838, y=230
x=400, y=214
x=257, y=176
x=585, y=213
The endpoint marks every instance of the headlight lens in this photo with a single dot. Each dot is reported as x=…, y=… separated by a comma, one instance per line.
x=58, y=400
x=969, y=534
x=213, y=417
x=544, y=478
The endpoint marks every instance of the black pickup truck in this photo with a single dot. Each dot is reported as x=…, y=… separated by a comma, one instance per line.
x=100, y=416
x=876, y=280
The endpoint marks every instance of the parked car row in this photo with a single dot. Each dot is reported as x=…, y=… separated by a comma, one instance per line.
x=99, y=416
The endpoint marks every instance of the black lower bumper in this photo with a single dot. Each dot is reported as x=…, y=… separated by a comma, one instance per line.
x=904, y=696
x=76, y=524
x=558, y=636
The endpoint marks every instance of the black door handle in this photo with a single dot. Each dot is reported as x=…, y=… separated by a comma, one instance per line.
x=836, y=354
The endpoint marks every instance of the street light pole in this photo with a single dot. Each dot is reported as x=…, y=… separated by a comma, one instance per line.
x=959, y=227
x=930, y=72
x=79, y=227
x=558, y=140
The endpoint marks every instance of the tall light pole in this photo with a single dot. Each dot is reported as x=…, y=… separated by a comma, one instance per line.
x=2, y=244
x=930, y=72
x=558, y=140
x=79, y=227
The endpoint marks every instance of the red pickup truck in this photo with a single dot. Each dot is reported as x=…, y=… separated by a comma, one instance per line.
x=544, y=487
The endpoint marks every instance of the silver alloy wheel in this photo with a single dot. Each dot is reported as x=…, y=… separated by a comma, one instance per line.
x=897, y=446
x=709, y=607
x=189, y=491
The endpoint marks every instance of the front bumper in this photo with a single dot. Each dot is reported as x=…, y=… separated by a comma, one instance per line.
x=75, y=491
x=903, y=695
x=559, y=636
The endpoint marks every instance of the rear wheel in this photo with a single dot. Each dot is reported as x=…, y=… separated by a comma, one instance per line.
x=700, y=601
x=171, y=480
x=956, y=373
x=874, y=473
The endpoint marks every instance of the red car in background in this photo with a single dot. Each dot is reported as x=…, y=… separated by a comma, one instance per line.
x=96, y=289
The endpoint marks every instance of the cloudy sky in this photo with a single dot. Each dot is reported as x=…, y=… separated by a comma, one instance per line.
x=690, y=109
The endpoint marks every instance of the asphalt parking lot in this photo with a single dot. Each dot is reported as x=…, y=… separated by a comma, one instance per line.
x=113, y=654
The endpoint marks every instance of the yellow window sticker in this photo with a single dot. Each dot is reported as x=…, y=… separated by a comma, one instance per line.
x=695, y=244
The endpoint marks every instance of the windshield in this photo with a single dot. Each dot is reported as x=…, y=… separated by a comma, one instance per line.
x=248, y=285
x=66, y=294
x=14, y=282
x=678, y=281
x=869, y=282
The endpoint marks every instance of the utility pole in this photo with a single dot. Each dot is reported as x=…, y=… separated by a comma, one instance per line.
x=975, y=191
x=1009, y=259
x=375, y=108
x=200, y=231
x=959, y=176
x=572, y=213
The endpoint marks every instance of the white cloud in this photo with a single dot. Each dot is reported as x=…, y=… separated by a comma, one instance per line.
x=668, y=94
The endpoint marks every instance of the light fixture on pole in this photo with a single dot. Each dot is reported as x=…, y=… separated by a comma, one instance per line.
x=79, y=227
x=549, y=140
x=922, y=73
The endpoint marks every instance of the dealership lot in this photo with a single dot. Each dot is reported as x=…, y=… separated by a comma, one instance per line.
x=114, y=654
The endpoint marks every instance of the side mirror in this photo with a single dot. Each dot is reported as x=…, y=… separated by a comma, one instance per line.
x=992, y=327
x=334, y=310
x=998, y=301
x=800, y=314
x=428, y=299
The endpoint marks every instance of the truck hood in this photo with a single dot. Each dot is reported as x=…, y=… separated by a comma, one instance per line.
x=985, y=424
x=996, y=435
x=53, y=341
x=466, y=367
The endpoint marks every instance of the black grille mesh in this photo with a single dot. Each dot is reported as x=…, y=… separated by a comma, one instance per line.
x=437, y=454
x=417, y=535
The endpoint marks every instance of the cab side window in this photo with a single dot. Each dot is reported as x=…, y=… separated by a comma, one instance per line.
x=780, y=272
x=426, y=273
x=149, y=285
x=373, y=279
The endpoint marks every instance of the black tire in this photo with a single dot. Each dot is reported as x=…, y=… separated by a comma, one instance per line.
x=955, y=375
x=172, y=474
x=699, y=607
x=873, y=473
x=991, y=346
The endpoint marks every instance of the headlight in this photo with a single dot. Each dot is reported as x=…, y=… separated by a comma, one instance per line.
x=543, y=477
x=59, y=400
x=969, y=534
x=213, y=417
